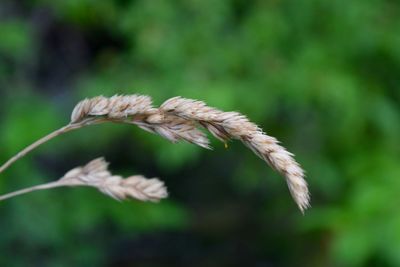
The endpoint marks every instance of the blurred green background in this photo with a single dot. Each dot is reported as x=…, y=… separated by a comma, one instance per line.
x=321, y=76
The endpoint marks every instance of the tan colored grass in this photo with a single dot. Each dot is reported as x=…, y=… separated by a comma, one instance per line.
x=233, y=125
x=179, y=119
x=95, y=174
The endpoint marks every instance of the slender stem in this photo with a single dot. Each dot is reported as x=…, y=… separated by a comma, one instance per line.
x=43, y=140
x=31, y=189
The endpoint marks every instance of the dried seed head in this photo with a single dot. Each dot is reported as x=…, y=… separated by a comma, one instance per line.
x=99, y=106
x=80, y=111
x=96, y=174
x=233, y=125
x=116, y=107
x=178, y=118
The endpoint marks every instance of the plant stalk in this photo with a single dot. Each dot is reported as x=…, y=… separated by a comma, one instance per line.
x=31, y=189
x=22, y=153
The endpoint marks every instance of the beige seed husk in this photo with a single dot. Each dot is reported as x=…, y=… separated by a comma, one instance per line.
x=95, y=174
x=177, y=119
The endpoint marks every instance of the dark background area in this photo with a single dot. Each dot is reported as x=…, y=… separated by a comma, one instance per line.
x=321, y=76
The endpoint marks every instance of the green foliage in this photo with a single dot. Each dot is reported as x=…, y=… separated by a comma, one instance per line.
x=322, y=76
x=15, y=39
